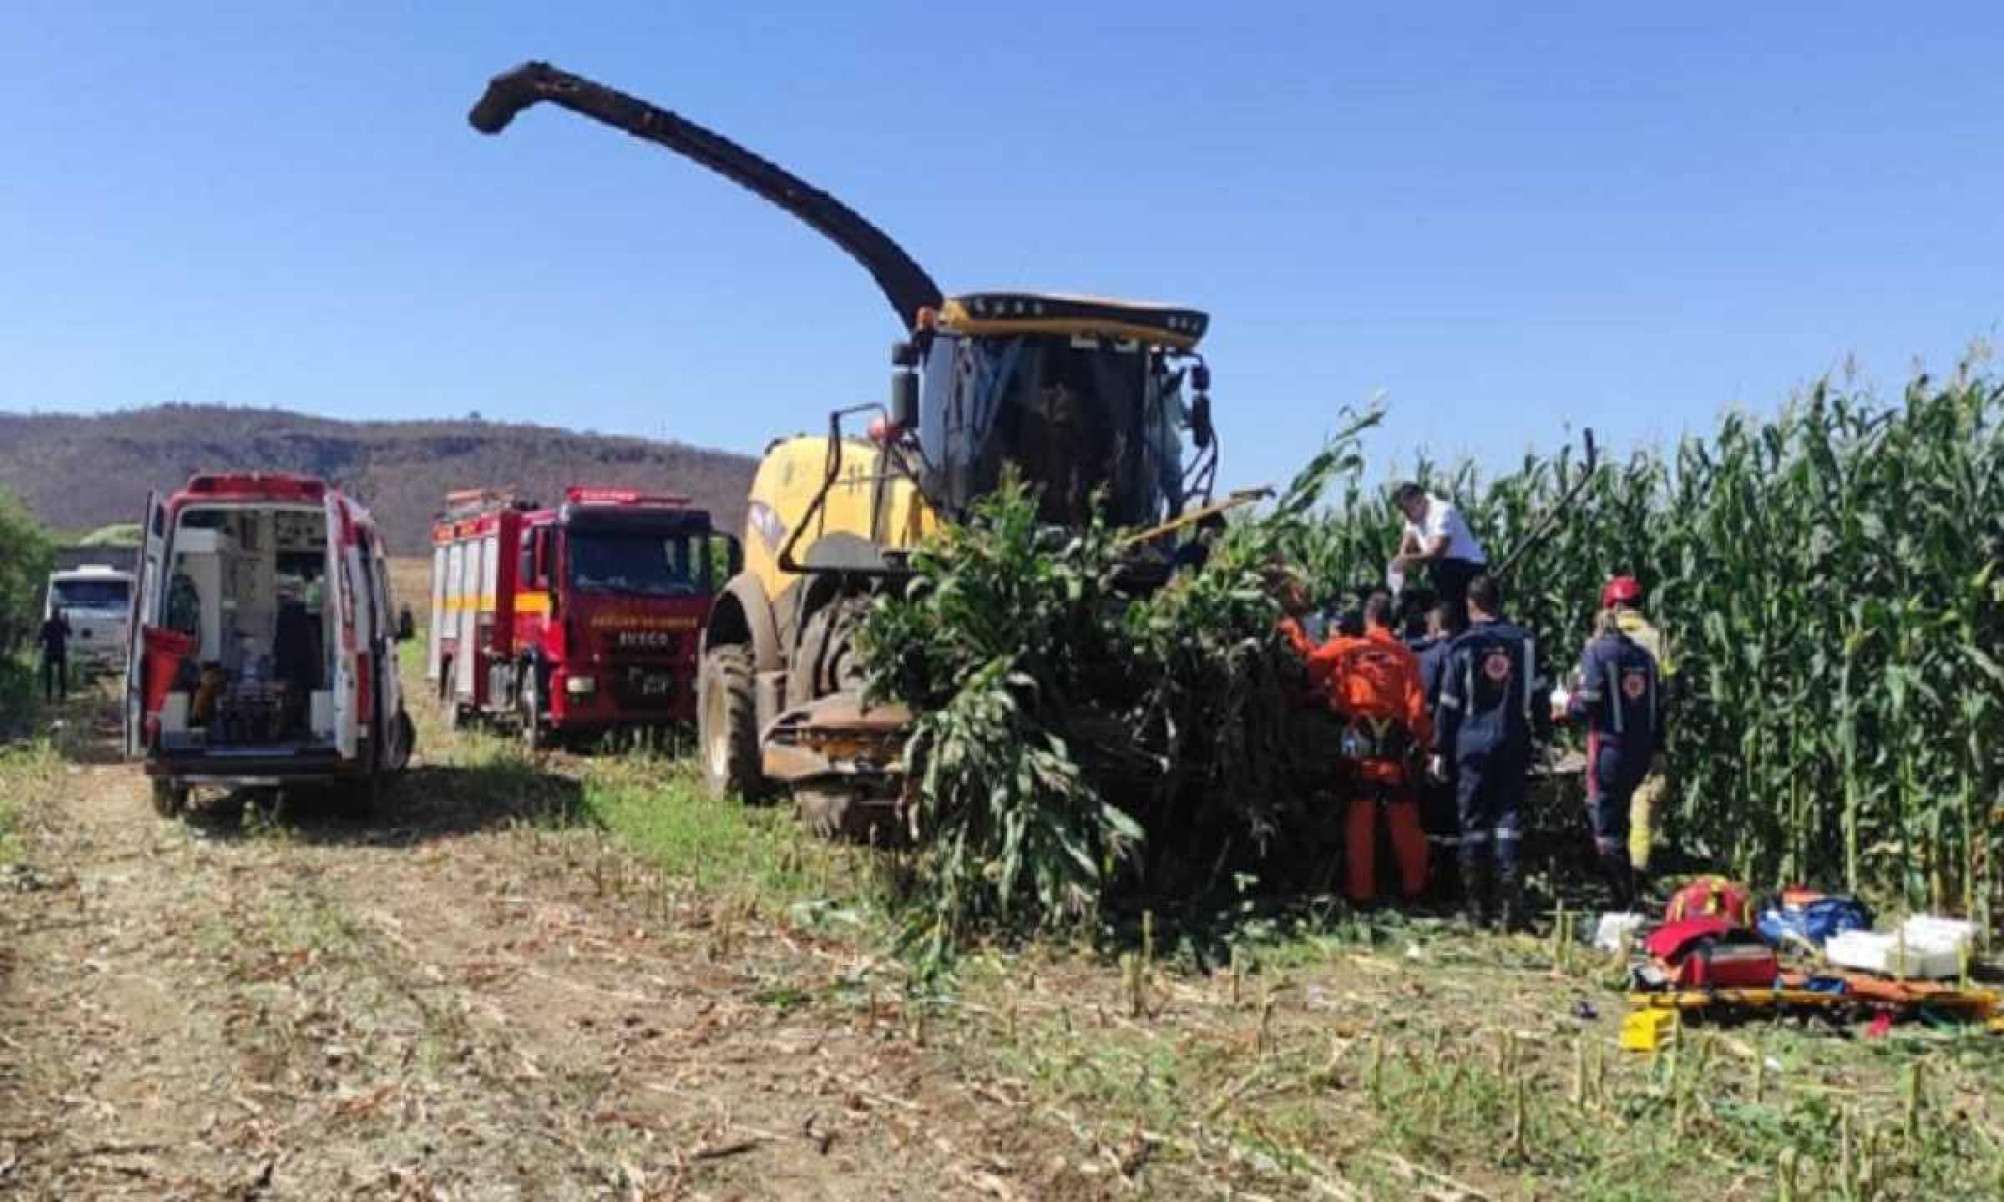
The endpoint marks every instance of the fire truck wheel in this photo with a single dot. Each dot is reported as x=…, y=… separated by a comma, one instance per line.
x=727, y=724
x=532, y=722
x=169, y=798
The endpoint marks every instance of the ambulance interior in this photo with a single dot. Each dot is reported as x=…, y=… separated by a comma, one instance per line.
x=247, y=583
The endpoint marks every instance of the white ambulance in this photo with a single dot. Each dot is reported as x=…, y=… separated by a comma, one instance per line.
x=263, y=651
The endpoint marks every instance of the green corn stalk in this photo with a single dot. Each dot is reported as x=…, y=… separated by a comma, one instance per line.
x=1835, y=612
x=1824, y=573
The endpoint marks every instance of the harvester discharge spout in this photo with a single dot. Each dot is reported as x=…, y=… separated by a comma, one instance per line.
x=904, y=283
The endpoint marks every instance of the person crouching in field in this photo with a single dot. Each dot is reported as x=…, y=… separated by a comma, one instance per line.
x=1438, y=538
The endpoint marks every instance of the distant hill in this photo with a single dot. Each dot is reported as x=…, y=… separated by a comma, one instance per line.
x=78, y=473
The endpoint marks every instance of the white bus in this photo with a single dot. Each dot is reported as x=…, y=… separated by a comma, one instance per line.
x=96, y=600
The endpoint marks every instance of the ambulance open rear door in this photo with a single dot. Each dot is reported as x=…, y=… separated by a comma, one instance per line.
x=145, y=611
x=340, y=599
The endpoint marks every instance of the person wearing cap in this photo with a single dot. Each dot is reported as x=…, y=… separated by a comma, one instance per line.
x=1437, y=538
x=1623, y=597
x=1619, y=698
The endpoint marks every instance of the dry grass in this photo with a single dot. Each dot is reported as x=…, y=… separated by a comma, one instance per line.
x=570, y=979
x=410, y=584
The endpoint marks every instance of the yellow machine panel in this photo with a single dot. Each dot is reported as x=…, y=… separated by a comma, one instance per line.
x=865, y=501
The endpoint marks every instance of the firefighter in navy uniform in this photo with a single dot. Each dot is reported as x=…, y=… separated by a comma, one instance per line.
x=1620, y=699
x=1485, y=718
x=1438, y=817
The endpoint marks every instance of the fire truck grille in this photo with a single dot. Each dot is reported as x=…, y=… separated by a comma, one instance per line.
x=656, y=641
x=645, y=686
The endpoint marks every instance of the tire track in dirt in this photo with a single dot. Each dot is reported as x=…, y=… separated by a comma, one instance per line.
x=415, y=1010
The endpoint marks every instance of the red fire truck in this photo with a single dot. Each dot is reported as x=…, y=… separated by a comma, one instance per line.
x=580, y=618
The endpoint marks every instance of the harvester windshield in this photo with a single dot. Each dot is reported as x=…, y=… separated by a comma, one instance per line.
x=1080, y=417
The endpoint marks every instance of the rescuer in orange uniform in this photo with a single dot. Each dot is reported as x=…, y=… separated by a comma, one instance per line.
x=1373, y=683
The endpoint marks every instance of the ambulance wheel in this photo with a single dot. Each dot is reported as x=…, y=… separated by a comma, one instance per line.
x=169, y=798
x=727, y=724
x=400, y=756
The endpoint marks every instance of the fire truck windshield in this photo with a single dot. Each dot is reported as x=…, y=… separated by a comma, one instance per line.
x=642, y=562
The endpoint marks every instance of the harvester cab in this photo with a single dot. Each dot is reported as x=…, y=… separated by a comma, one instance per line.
x=1102, y=407
x=1086, y=398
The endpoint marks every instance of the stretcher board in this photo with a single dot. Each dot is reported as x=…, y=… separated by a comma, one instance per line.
x=1972, y=1003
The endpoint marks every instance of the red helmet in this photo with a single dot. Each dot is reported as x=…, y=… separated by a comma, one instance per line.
x=1622, y=590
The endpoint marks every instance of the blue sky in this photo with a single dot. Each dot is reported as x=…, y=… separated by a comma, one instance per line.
x=1510, y=219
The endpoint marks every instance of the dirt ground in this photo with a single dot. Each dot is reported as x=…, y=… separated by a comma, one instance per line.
x=480, y=995
x=450, y=1006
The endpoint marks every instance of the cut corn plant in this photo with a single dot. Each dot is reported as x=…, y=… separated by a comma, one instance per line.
x=1073, y=740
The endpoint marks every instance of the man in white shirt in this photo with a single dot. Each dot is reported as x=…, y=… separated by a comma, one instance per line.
x=1438, y=538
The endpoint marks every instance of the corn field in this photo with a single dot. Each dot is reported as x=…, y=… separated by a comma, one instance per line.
x=1831, y=581
x=1832, y=584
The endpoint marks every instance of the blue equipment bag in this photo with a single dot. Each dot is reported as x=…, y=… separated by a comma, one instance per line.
x=1810, y=921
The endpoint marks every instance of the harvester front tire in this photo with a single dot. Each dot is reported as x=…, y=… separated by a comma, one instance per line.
x=727, y=724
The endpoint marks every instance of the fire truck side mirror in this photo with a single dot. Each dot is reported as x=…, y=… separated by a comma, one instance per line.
x=406, y=625
x=733, y=557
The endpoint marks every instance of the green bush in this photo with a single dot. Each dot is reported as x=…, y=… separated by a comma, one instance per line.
x=26, y=554
x=118, y=534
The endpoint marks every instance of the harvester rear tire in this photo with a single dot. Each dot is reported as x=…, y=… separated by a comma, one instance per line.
x=727, y=725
